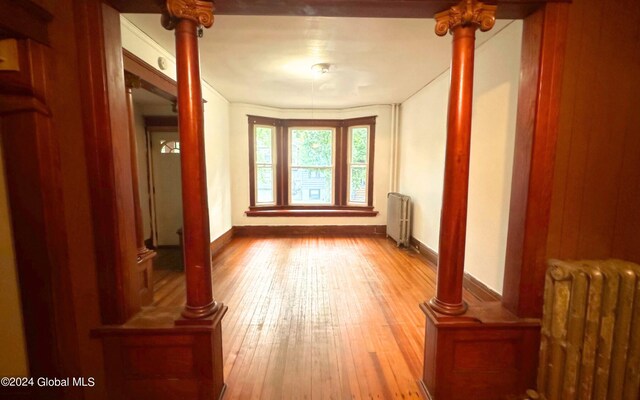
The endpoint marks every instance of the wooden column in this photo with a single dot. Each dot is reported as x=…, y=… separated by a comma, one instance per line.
x=187, y=18
x=132, y=81
x=462, y=21
x=144, y=275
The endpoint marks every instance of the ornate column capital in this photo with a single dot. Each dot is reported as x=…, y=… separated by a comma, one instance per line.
x=199, y=11
x=467, y=13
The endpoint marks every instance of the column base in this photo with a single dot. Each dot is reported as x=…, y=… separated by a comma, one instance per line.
x=150, y=357
x=446, y=308
x=198, y=315
x=486, y=354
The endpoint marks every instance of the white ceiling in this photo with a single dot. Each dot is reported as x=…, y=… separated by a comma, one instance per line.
x=267, y=60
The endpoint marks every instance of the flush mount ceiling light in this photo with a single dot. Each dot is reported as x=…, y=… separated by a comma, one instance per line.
x=321, y=68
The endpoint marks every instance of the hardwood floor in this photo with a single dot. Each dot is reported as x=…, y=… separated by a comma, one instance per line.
x=318, y=317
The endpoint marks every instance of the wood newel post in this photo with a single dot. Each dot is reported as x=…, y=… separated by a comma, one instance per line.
x=187, y=21
x=462, y=21
x=131, y=82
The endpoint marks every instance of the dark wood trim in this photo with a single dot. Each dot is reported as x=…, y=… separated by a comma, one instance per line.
x=155, y=123
x=289, y=230
x=25, y=19
x=543, y=44
x=283, y=164
x=486, y=354
x=479, y=289
x=108, y=159
x=469, y=282
x=31, y=155
x=342, y=152
x=508, y=9
x=151, y=79
x=372, y=152
x=317, y=212
x=430, y=254
x=218, y=244
x=341, y=173
x=252, y=163
x=310, y=208
x=197, y=348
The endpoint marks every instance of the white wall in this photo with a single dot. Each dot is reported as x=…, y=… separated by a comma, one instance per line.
x=240, y=162
x=422, y=149
x=13, y=361
x=216, y=123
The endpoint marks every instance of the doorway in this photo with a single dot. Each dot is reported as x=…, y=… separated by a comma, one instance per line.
x=166, y=184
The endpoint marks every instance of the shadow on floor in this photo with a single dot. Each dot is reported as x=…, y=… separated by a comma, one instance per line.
x=169, y=258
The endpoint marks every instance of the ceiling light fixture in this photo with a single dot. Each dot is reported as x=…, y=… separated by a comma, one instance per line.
x=321, y=68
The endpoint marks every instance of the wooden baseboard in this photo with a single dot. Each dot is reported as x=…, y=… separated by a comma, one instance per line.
x=423, y=249
x=220, y=242
x=477, y=288
x=288, y=230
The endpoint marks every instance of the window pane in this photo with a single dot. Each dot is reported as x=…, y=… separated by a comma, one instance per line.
x=264, y=183
x=311, y=185
x=169, y=147
x=311, y=147
x=359, y=145
x=263, y=145
x=358, y=184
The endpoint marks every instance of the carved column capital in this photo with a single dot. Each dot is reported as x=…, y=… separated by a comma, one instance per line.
x=199, y=11
x=467, y=13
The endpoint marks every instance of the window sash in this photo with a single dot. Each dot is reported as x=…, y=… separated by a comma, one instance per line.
x=271, y=165
x=340, y=197
x=330, y=167
x=351, y=164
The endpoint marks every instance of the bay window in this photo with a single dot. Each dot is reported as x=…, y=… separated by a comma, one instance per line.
x=311, y=167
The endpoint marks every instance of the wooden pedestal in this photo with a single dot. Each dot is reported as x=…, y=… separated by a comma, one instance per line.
x=150, y=357
x=145, y=277
x=485, y=354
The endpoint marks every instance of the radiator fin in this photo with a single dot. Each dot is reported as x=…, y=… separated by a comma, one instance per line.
x=399, y=218
x=590, y=342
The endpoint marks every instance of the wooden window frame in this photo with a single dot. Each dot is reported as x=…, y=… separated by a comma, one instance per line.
x=341, y=206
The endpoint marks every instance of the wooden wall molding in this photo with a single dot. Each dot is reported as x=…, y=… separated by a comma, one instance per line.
x=25, y=19
x=218, y=244
x=543, y=45
x=150, y=78
x=288, y=230
x=430, y=254
x=31, y=153
x=108, y=157
x=154, y=122
x=469, y=282
x=508, y=9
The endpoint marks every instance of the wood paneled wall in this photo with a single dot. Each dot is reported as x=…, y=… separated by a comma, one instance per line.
x=595, y=205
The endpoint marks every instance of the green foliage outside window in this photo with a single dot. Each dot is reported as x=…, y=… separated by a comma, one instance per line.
x=312, y=147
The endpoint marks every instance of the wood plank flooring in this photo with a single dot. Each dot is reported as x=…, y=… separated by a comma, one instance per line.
x=318, y=317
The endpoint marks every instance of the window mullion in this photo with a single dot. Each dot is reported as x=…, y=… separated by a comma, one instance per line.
x=283, y=162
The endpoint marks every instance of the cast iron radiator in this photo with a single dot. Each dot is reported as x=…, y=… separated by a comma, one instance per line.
x=398, y=218
x=590, y=342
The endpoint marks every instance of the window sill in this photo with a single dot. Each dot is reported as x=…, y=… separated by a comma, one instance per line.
x=312, y=212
